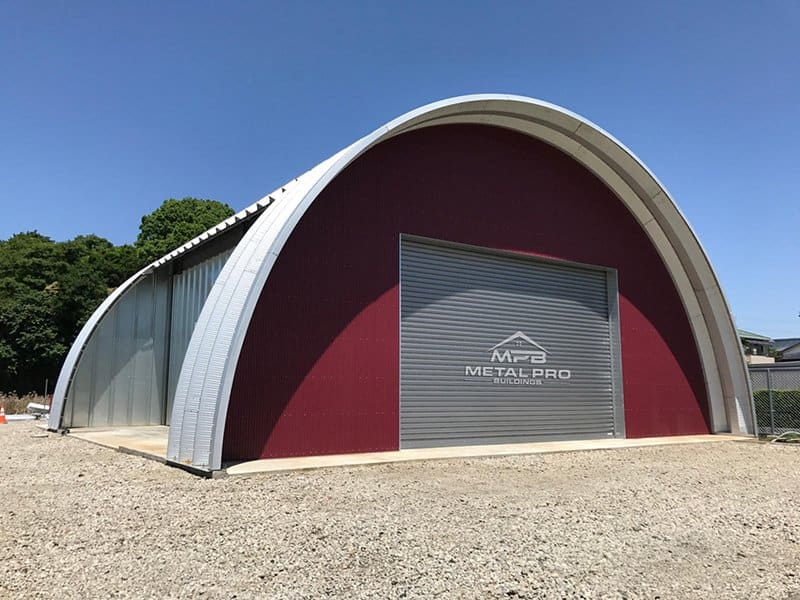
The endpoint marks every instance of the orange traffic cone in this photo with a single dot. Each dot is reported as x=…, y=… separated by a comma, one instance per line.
x=3, y=415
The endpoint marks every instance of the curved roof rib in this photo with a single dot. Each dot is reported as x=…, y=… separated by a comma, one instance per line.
x=201, y=402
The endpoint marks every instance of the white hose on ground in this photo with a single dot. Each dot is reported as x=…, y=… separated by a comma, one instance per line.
x=797, y=433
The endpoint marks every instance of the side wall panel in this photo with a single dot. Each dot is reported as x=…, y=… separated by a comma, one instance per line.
x=318, y=371
x=120, y=377
x=190, y=288
x=129, y=367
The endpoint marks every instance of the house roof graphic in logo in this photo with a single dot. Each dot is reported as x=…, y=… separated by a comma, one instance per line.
x=519, y=348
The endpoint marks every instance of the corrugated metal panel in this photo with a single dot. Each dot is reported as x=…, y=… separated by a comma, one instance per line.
x=504, y=348
x=129, y=368
x=120, y=376
x=190, y=288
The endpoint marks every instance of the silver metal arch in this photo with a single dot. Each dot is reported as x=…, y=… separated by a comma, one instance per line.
x=204, y=387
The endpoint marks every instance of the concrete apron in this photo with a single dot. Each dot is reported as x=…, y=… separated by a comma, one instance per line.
x=148, y=441
x=151, y=442
x=277, y=465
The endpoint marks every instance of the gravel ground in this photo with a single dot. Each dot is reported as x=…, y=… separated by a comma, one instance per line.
x=718, y=520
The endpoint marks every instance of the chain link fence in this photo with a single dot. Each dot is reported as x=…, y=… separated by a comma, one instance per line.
x=776, y=394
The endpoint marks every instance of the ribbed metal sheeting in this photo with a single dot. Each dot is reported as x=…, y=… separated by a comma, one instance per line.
x=190, y=288
x=120, y=376
x=129, y=368
x=500, y=348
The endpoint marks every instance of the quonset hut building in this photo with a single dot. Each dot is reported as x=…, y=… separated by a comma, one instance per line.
x=485, y=269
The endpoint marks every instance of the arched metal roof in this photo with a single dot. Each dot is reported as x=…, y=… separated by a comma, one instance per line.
x=204, y=386
x=206, y=378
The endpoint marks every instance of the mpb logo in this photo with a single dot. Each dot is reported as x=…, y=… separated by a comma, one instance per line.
x=519, y=348
x=510, y=358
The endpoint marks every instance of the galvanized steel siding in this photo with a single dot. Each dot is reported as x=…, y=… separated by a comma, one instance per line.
x=129, y=368
x=457, y=303
x=120, y=376
x=190, y=289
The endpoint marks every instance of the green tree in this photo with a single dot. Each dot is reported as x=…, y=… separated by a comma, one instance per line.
x=49, y=289
x=176, y=222
x=31, y=260
x=114, y=264
x=31, y=345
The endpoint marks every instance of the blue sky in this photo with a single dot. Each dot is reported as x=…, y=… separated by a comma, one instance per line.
x=108, y=108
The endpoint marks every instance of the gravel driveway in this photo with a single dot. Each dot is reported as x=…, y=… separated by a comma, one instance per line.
x=719, y=520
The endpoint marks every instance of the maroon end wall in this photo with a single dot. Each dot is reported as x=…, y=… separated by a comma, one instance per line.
x=318, y=372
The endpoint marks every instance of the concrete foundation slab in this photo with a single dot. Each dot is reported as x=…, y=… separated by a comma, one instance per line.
x=276, y=465
x=149, y=441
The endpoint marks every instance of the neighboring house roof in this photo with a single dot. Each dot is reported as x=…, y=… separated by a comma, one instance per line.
x=753, y=337
x=791, y=352
x=782, y=344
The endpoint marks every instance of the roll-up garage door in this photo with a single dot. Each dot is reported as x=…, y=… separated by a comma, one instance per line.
x=499, y=348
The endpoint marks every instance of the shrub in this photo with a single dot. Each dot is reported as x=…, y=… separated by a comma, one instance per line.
x=15, y=405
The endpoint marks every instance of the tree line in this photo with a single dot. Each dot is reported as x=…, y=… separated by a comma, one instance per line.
x=48, y=289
